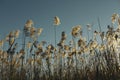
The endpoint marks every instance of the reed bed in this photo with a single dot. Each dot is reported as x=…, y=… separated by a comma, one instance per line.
x=78, y=59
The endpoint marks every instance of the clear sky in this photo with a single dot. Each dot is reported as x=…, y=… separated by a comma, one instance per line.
x=14, y=14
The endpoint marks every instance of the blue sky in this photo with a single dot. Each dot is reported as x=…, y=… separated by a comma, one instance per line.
x=14, y=14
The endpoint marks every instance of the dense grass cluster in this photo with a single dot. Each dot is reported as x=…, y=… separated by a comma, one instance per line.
x=77, y=59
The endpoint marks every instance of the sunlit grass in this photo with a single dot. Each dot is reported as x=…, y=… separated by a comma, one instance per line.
x=80, y=59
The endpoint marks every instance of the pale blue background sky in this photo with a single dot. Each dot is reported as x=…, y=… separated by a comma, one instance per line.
x=14, y=13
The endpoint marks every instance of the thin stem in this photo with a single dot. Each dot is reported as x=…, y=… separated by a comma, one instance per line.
x=88, y=34
x=55, y=34
x=34, y=66
x=99, y=24
x=100, y=28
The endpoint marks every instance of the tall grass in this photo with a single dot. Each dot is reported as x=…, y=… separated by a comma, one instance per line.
x=77, y=60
